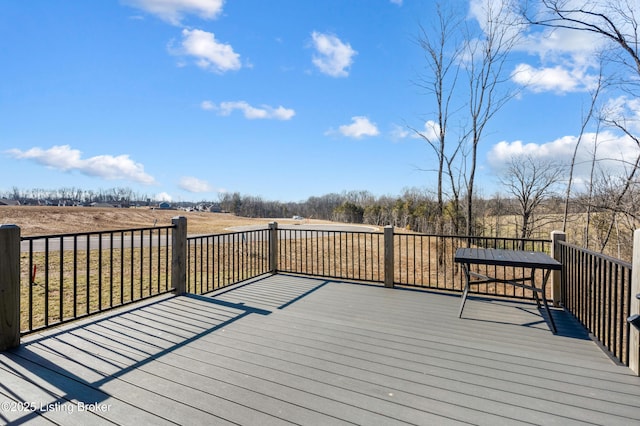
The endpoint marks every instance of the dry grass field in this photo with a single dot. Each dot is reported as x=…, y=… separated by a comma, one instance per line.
x=37, y=220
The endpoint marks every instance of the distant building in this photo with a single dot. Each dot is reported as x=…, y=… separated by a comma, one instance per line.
x=165, y=205
x=8, y=202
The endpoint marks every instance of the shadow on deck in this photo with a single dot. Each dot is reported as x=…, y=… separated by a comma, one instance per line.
x=286, y=349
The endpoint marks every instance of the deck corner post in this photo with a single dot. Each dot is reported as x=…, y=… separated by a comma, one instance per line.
x=634, y=306
x=9, y=286
x=273, y=247
x=179, y=255
x=388, y=256
x=556, y=276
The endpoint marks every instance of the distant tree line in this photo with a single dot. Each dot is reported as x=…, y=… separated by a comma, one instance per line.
x=70, y=196
x=530, y=207
x=602, y=216
x=415, y=209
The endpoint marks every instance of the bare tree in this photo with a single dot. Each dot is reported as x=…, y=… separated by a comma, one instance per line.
x=498, y=207
x=592, y=172
x=486, y=57
x=630, y=179
x=589, y=116
x=15, y=193
x=530, y=181
x=613, y=217
x=442, y=57
x=482, y=55
x=616, y=22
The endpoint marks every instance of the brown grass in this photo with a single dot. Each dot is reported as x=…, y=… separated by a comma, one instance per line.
x=37, y=220
x=84, y=282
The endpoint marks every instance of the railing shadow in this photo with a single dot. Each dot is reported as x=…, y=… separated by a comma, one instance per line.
x=74, y=366
x=260, y=292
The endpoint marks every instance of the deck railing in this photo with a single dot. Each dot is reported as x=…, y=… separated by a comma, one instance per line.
x=419, y=260
x=70, y=276
x=334, y=254
x=58, y=278
x=219, y=260
x=597, y=291
x=424, y=260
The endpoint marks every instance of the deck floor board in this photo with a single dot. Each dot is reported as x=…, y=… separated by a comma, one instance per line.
x=286, y=349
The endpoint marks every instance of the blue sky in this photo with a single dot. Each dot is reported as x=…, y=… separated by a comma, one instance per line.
x=285, y=99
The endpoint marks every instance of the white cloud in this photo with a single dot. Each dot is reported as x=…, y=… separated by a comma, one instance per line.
x=360, y=127
x=624, y=111
x=173, y=11
x=207, y=105
x=209, y=53
x=567, y=60
x=251, y=112
x=193, y=184
x=553, y=79
x=563, y=45
x=65, y=158
x=611, y=151
x=332, y=57
x=431, y=131
x=398, y=133
x=163, y=196
x=492, y=15
x=502, y=152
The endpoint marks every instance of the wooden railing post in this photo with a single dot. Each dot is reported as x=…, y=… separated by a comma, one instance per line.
x=9, y=286
x=634, y=307
x=388, y=256
x=556, y=276
x=273, y=247
x=179, y=255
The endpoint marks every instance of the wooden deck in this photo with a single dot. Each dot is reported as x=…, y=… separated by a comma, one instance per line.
x=286, y=349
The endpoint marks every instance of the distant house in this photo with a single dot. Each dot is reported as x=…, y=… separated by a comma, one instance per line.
x=165, y=205
x=101, y=205
x=8, y=202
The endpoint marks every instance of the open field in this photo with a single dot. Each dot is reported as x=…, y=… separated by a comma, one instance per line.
x=36, y=220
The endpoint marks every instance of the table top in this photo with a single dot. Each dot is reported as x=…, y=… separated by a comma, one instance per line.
x=525, y=259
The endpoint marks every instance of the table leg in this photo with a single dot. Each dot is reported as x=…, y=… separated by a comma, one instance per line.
x=465, y=266
x=544, y=300
x=532, y=280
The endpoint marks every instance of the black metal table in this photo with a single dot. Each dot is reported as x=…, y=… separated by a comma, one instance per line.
x=514, y=258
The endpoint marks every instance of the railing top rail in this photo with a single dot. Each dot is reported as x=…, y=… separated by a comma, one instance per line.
x=89, y=233
x=219, y=234
x=328, y=230
x=597, y=254
x=288, y=228
x=466, y=237
x=309, y=228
